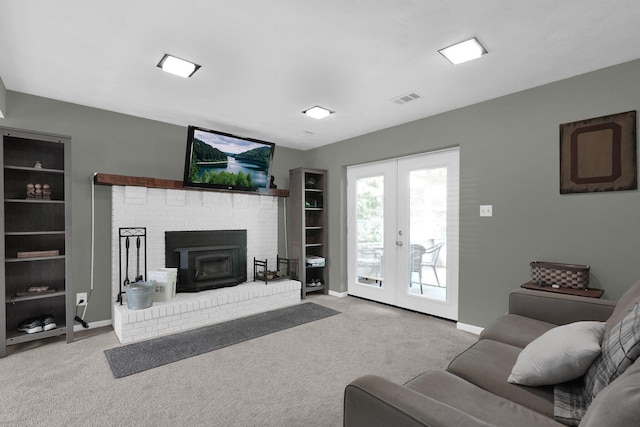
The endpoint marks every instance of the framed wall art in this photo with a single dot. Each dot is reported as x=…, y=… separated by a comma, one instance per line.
x=599, y=154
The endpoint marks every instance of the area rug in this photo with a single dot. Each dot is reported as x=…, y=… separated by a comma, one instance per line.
x=141, y=356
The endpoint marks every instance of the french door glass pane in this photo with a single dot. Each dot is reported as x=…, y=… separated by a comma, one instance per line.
x=370, y=230
x=428, y=232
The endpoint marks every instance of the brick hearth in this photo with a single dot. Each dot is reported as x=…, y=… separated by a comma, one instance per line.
x=193, y=310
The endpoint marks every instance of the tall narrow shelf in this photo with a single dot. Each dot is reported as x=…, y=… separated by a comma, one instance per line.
x=308, y=228
x=37, y=235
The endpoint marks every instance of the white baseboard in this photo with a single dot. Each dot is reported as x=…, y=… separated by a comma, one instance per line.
x=337, y=294
x=100, y=323
x=469, y=328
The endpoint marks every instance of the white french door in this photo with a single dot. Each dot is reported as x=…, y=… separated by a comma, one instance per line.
x=371, y=231
x=403, y=227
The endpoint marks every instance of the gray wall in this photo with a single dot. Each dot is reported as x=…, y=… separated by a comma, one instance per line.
x=108, y=142
x=509, y=158
x=509, y=155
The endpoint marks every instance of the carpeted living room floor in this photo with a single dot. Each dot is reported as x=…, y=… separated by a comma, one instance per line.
x=293, y=377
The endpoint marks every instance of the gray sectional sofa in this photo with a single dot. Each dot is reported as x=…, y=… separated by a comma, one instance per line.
x=474, y=389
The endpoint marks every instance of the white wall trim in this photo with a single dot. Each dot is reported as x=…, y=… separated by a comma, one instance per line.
x=469, y=328
x=338, y=294
x=3, y=100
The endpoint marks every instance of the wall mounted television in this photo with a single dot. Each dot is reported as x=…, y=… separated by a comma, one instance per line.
x=224, y=161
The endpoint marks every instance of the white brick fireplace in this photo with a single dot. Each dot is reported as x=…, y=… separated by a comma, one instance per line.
x=161, y=210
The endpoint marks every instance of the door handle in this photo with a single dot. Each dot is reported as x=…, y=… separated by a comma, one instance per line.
x=398, y=243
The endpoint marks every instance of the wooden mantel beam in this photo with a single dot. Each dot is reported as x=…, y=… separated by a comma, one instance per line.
x=140, y=181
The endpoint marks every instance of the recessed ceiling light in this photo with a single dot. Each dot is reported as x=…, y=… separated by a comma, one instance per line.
x=463, y=51
x=177, y=66
x=317, y=112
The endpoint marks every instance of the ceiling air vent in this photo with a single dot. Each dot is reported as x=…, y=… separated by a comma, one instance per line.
x=403, y=99
x=305, y=133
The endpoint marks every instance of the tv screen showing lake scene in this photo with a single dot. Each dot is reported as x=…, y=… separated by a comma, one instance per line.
x=219, y=160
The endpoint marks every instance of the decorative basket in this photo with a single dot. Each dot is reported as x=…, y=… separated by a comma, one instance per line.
x=574, y=276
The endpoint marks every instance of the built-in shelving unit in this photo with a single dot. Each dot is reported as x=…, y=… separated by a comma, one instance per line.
x=308, y=228
x=36, y=273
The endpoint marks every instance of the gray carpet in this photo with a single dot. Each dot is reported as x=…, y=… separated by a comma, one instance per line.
x=138, y=357
x=292, y=378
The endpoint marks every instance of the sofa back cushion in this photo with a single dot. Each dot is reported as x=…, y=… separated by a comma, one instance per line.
x=625, y=304
x=618, y=404
x=620, y=348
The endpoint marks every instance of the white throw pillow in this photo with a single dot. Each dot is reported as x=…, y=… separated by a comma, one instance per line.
x=561, y=354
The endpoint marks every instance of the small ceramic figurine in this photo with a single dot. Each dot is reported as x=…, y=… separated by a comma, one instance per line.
x=31, y=191
x=46, y=191
x=38, y=165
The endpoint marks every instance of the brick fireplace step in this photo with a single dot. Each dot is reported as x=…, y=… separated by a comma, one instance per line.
x=193, y=310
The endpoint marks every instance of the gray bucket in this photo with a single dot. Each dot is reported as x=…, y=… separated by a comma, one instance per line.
x=139, y=295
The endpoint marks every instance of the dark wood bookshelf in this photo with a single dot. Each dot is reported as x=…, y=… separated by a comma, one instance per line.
x=37, y=235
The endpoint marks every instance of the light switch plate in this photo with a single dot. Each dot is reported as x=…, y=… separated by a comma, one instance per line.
x=486, y=210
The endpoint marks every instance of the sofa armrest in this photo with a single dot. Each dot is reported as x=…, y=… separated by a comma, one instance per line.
x=558, y=309
x=372, y=401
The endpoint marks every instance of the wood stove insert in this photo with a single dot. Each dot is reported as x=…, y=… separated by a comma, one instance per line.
x=207, y=259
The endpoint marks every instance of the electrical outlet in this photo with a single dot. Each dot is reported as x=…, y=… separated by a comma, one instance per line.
x=81, y=298
x=486, y=210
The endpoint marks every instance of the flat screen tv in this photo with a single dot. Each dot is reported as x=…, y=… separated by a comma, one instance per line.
x=224, y=161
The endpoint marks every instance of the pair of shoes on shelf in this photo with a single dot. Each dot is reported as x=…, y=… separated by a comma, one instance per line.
x=39, y=324
x=315, y=282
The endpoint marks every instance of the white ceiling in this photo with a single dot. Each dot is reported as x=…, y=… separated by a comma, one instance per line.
x=263, y=62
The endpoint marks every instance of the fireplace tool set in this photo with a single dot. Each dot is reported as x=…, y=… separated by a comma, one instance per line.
x=131, y=239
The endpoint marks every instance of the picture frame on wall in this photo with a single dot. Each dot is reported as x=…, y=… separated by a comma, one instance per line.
x=599, y=154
